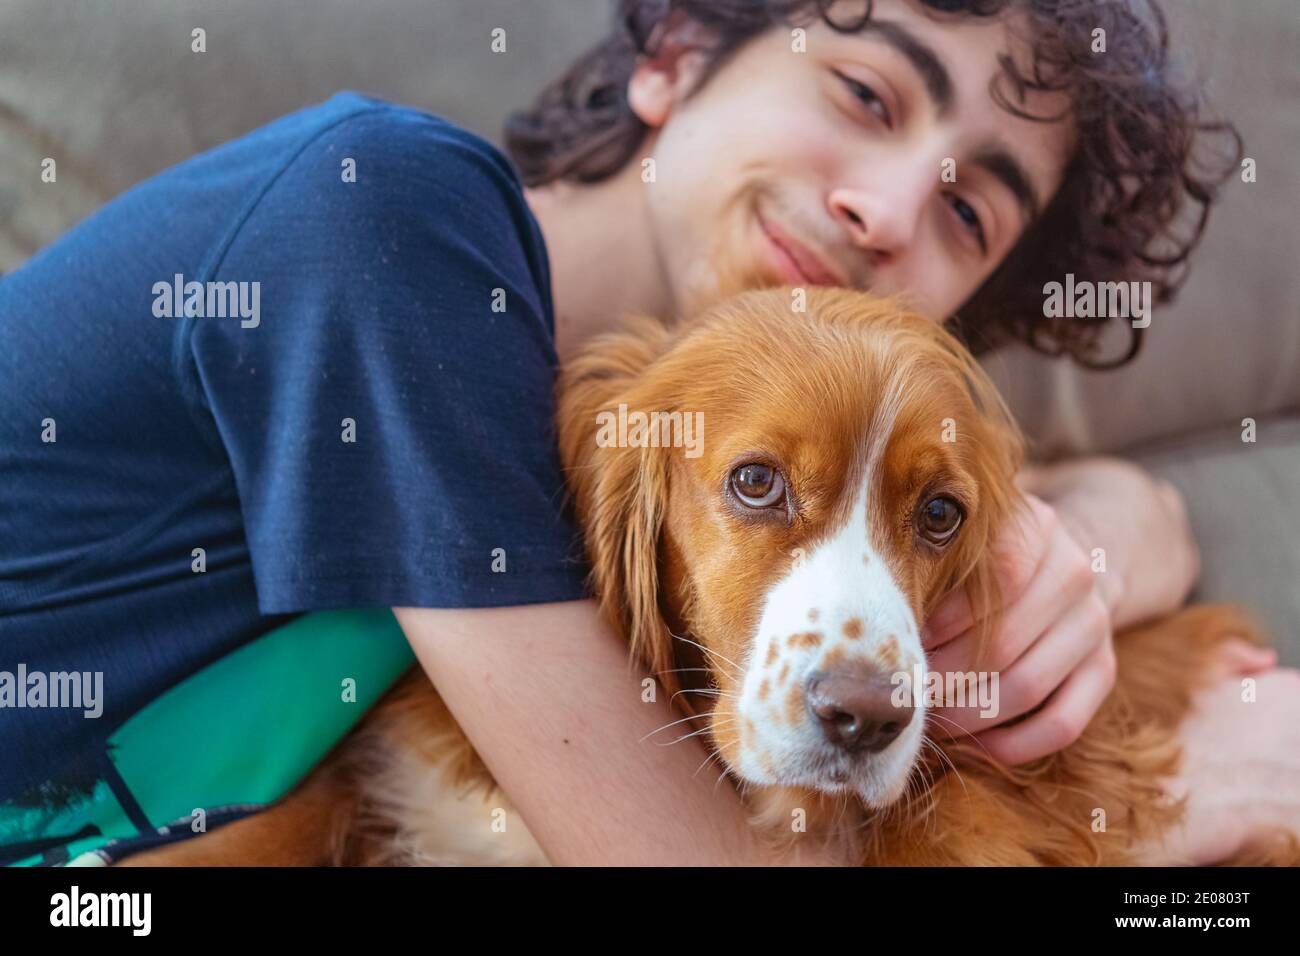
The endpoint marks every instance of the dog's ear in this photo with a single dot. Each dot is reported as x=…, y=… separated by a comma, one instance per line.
x=993, y=453
x=620, y=493
x=994, y=469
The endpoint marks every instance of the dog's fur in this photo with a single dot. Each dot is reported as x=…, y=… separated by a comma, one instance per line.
x=851, y=400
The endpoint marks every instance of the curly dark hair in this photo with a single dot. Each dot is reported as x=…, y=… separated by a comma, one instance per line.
x=1136, y=194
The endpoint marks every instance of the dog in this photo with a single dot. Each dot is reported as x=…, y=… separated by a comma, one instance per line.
x=858, y=467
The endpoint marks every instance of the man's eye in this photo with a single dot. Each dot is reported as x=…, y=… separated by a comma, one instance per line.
x=970, y=220
x=868, y=97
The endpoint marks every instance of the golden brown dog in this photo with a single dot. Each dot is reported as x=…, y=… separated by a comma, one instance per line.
x=856, y=467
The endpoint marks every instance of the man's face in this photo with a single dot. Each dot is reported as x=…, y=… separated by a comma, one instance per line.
x=876, y=160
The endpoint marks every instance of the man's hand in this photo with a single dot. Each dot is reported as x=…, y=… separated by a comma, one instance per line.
x=1240, y=770
x=1053, y=650
x=1135, y=522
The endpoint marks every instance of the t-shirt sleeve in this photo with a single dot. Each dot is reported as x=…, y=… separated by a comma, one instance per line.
x=388, y=412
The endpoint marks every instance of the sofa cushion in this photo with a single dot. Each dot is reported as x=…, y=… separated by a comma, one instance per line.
x=114, y=93
x=1242, y=506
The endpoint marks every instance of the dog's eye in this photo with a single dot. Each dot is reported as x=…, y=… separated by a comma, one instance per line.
x=939, y=519
x=758, y=485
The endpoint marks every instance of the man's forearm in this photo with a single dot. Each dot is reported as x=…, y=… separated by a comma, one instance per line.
x=1138, y=522
x=545, y=694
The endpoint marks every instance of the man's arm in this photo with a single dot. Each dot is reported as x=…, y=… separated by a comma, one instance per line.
x=1140, y=522
x=547, y=697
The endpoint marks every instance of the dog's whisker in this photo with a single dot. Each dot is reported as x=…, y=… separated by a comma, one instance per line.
x=716, y=723
x=931, y=715
x=964, y=731
x=706, y=650
x=943, y=756
x=672, y=724
x=721, y=777
x=708, y=692
x=693, y=733
x=707, y=760
x=960, y=778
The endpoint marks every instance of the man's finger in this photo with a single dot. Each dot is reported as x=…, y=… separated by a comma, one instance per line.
x=1058, y=724
x=950, y=620
x=1236, y=657
x=1037, y=673
x=1050, y=594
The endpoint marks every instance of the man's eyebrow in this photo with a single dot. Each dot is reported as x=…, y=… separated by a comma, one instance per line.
x=938, y=83
x=937, y=79
x=1011, y=173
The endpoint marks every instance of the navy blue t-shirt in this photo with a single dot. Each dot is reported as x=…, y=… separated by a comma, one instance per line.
x=322, y=354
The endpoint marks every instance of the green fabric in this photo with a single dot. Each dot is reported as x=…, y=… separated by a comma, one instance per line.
x=241, y=732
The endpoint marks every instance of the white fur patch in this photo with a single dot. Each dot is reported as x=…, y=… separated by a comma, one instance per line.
x=845, y=593
x=437, y=826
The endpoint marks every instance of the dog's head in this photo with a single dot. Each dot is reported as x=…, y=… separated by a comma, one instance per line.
x=801, y=490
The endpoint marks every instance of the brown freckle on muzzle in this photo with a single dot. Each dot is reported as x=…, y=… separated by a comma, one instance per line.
x=889, y=652
x=812, y=613
x=794, y=704
x=806, y=639
x=773, y=650
x=762, y=690
x=785, y=672
x=853, y=628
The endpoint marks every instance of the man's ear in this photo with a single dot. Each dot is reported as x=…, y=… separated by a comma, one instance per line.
x=669, y=68
x=619, y=491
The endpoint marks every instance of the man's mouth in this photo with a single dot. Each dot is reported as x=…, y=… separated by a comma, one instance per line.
x=794, y=262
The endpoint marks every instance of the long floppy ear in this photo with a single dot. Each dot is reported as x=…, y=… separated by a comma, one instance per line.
x=619, y=493
x=994, y=455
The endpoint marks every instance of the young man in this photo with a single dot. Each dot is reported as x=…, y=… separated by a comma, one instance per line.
x=363, y=418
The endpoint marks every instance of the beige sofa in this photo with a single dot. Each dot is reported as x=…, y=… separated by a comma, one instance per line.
x=114, y=93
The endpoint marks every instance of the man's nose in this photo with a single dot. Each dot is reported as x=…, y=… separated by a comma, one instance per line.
x=855, y=708
x=881, y=222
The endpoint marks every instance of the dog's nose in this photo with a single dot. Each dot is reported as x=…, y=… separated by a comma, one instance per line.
x=855, y=709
